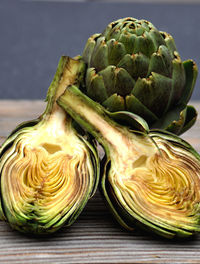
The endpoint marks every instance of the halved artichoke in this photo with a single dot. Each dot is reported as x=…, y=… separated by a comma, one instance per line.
x=133, y=66
x=150, y=178
x=48, y=170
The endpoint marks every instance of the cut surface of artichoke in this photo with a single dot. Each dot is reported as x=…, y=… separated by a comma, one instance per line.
x=150, y=179
x=48, y=171
x=160, y=188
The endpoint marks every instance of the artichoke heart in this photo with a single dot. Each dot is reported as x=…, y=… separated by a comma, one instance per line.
x=150, y=178
x=48, y=170
x=133, y=66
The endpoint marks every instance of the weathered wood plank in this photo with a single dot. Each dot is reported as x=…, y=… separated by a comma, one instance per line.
x=95, y=237
x=12, y=113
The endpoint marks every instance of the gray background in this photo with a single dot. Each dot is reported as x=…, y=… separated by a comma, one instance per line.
x=34, y=34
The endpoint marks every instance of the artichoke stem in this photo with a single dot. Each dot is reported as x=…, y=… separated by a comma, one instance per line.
x=59, y=120
x=92, y=117
x=62, y=79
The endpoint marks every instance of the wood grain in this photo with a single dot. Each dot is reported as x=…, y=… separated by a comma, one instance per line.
x=95, y=237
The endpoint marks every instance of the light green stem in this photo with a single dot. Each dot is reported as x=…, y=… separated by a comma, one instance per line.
x=93, y=118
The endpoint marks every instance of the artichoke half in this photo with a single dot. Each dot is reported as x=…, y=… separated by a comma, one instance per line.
x=48, y=170
x=150, y=178
x=134, y=67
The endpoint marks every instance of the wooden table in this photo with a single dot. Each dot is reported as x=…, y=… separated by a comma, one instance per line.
x=95, y=237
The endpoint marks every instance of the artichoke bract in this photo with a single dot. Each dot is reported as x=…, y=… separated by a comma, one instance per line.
x=134, y=67
x=48, y=170
x=151, y=178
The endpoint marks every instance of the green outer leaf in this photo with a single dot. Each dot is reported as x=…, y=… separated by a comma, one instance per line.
x=186, y=120
x=191, y=72
x=108, y=200
x=150, y=41
x=2, y=215
x=191, y=117
x=134, y=121
x=124, y=82
x=160, y=62
x=136, y=65
x=99, y=58
x=114, y=103
x=178, y=82
x=135, y=106
x=157, y=37
x=169, y=41
x=108, y=76
x=89, y=47
x=128, y=40
x=153, y=92
x=146, y=44
x=117, y=80
x=178, y=120
x=116, y=51
x=170, y=118
x=95, y=86
x=177, y=125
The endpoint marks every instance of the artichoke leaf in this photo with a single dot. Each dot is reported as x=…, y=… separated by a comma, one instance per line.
x=114, y=103
x=155, y=89
x=135, y=106
x=191, y=72
x=178, y=120
x=87, y=53
x=135, y=64
x=110, y=203
x=95, y=86
x=191, y=117
x=129, y=119
x=177, y=82
x=171, y=118
x=116, y=51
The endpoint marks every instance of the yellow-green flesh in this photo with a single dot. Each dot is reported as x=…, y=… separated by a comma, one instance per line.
x=159, y=186
x=45, y=175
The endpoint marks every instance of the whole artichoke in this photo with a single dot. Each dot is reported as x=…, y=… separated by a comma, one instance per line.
x=134, y=67
x=48, y=170
x=150, y=178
